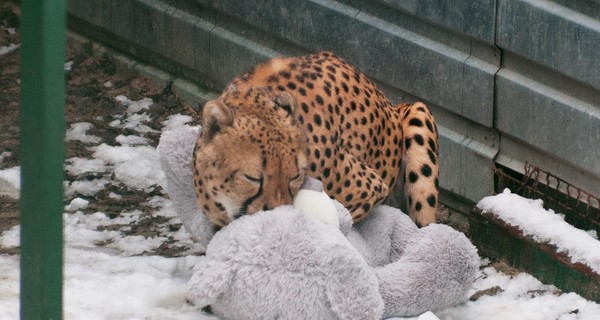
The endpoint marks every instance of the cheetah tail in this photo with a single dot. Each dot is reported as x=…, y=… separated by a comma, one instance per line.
x=420, y=163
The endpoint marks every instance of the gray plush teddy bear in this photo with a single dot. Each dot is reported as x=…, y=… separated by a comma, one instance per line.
x=286, y=264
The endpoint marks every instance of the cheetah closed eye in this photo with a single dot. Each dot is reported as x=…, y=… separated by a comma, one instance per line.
x=314, y=115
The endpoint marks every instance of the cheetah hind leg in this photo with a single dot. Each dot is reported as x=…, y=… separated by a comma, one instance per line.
x=420, y=163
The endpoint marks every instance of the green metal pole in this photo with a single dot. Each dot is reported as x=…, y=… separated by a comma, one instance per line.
x=41, y=155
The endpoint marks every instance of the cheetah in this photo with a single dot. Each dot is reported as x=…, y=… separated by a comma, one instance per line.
x=314, y=115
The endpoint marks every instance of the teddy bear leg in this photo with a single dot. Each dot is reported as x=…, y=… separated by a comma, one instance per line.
x=435, y=272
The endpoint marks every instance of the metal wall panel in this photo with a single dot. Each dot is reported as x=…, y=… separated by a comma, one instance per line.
x=548, y=90
x=508, y=80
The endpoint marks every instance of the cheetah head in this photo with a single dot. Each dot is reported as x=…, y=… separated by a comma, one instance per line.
x=250, y=154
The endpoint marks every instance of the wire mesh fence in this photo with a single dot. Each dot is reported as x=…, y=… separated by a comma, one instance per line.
x=581, y=208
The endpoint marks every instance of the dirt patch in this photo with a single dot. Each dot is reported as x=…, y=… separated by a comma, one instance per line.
x=92, y=84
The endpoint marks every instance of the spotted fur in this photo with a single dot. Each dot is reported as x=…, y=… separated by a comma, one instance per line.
x=319, y=116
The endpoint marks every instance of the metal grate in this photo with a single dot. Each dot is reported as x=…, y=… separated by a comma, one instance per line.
x=581, y=208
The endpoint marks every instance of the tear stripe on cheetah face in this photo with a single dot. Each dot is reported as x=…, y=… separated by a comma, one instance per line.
x=356, y=137
x=244, y=161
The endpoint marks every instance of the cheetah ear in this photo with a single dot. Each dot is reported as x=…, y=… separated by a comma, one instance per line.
x=287, y=102
x=215, y=116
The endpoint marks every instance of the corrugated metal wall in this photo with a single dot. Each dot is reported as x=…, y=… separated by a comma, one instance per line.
x=508, y=80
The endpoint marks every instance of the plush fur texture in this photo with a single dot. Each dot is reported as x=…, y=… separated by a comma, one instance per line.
x=175, y=148
x=284, y=264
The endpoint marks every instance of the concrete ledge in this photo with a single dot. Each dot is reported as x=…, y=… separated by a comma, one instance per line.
x=192, y=94
x=498, y=240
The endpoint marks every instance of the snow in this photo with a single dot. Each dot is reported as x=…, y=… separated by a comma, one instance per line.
x=86, y=188
x=137, y=167
x=12, y=176
x=111, y=272
x=77, y=204
x=68, y=65
x=545, y=226
x=4, y=50
x=523, y=297
x=77, y=131
x=77, y=166
x=134, y=106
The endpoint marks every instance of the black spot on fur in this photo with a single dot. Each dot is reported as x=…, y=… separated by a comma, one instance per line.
x=426, y=170
x=366, y=207
x=431, y=201
x=415, y=122
x=317, y=119
x=304, y=107
x=431, y=145
x=412, y=177
x=345, y=87
x=418, y=206
x=407, y=143
x=419, y=139
x=429, y=125
x=319, y=100
x=431, y=156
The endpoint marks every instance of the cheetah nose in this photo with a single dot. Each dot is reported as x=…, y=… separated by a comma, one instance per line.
x=266, y=207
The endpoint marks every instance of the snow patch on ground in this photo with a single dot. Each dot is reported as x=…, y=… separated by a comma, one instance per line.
x=4, y=50
x=107, y=284
x=77, y=166
x=544, y=226
x=10, y=238
x=77, y=204
x=12, y=176
x=77, y=132
x=134, y=106
x=522, y=297
x=86, y=188
x=137, y=167
x=9, y=278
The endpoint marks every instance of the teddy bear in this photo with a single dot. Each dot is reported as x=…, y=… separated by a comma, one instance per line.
x=308, y=261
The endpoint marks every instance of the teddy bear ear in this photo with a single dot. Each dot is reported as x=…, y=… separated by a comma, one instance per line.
x=210, y=279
